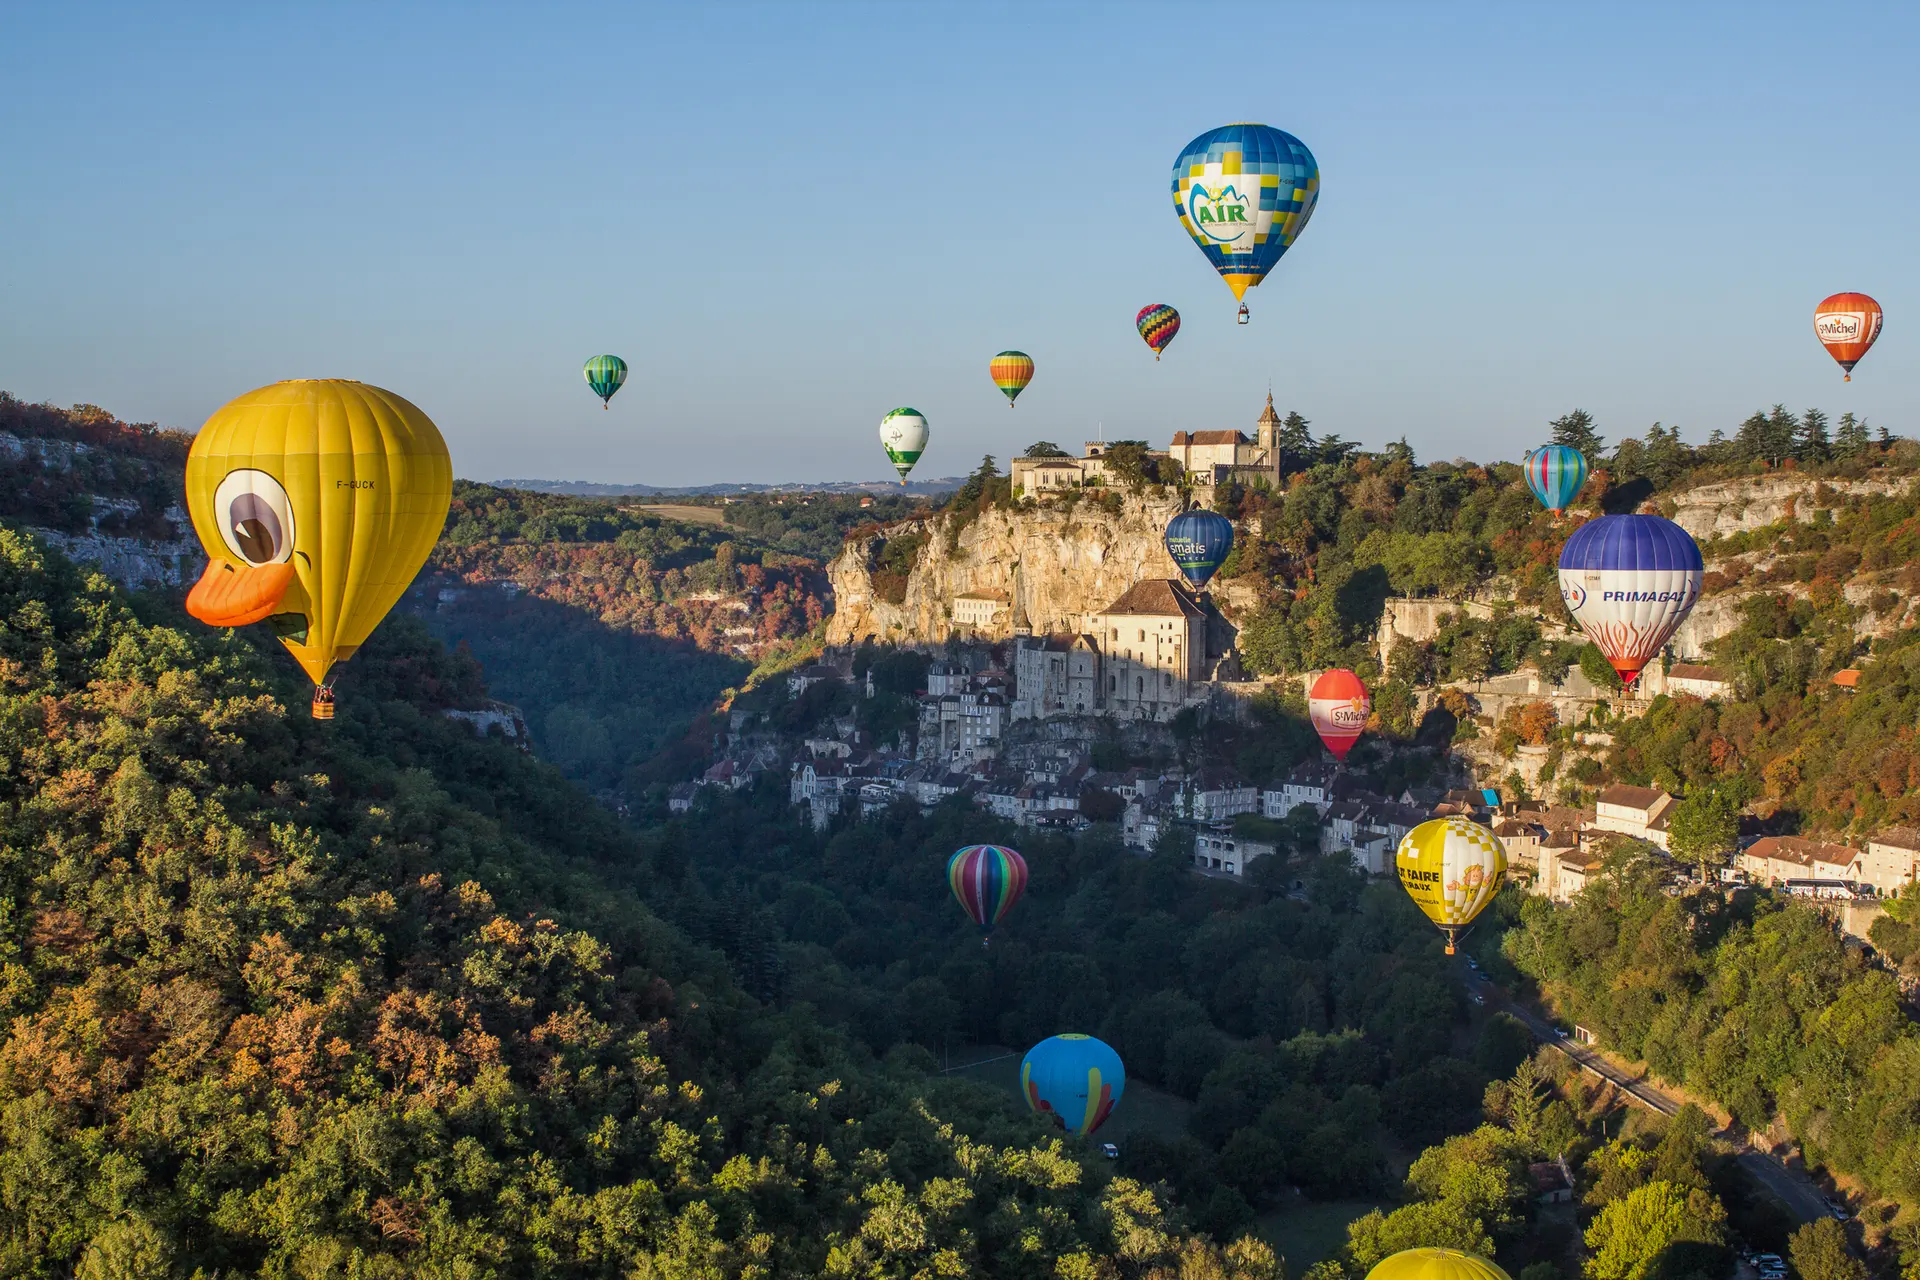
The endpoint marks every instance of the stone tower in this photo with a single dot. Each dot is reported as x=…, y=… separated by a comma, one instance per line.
x=1269, y=427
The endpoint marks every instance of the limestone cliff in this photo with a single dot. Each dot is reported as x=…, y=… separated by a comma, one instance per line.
x=1049, y=566
x=1753, y=502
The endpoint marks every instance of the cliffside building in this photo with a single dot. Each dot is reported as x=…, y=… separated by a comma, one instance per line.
x=1056, y=676
x=1208, y=457
x=1153, y=647
x=1216, y=457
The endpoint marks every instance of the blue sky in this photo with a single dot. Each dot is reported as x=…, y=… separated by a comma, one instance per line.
x=791, y=218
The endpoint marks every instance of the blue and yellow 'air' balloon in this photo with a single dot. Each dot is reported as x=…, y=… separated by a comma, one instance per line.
x=1556, y=473
x=1073, y=1079
x=1244, y=193
x=606, y=375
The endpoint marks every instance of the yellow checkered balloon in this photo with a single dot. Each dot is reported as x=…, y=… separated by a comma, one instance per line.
x=1451, y=868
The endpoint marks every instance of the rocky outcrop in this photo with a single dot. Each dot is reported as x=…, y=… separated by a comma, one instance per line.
x=134, y=563
x=1053, y=565
x=1753, y=502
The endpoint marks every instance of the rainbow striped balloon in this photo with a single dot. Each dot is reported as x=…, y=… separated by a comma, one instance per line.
x=1157, y=324
x=1011, y=371
x=987, y=879
x=1556, y=473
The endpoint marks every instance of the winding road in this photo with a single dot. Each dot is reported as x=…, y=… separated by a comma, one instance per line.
x=1791, y=1187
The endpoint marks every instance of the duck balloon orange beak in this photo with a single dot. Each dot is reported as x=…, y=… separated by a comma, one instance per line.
x=230, y=595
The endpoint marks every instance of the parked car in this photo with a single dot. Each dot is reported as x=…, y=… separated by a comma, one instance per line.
x=1560, y=1032
x=1838, y=1209
x=1476, y=997
x=1472, y=963
x=1110, y=1151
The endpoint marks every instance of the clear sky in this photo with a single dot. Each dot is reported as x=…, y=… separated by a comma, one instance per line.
x=791, y=218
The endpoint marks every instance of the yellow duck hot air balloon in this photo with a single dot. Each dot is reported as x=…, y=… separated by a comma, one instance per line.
x=1435, y=1264
x=1451, y=868
x=317, y=501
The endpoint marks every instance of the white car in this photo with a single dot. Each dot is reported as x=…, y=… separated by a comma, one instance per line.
x=1476, y=997
x=1110, y=1151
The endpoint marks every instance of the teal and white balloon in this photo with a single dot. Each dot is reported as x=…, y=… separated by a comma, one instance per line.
x=903, y=434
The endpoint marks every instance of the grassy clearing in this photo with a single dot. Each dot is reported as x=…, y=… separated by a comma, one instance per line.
x=1305, y=1231
x=692, y=515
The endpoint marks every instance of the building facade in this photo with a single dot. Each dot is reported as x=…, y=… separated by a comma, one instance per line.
x=1153, y=647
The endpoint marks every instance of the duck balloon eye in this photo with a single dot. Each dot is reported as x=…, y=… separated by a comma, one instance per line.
x=256, y=517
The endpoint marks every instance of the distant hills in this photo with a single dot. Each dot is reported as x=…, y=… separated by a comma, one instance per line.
x=589, y=489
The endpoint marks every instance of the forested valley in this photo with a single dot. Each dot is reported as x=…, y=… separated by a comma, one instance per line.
x=388, y=998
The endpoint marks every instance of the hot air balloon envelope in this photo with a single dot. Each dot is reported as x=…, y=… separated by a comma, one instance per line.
x=1338, y=707
x=1199, y=542
x=1451, y=868
x=1630, y=581
x=1556, y=474
x=1157, y=323
x=987, y=879
x=1848, y=324
x=1011, y=371
x=1244, y=192
x=1074, y=1080
x=903, y=434
x=606, y=375
x=1435, y=1264
x=317, y=501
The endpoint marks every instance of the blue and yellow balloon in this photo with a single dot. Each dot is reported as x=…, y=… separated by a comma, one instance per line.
x=1074, y=1080
x=1244, y=192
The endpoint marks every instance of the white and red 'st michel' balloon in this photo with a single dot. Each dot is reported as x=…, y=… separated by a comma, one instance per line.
x=1338, y=707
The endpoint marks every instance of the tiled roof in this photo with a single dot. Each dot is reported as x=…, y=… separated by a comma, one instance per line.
x=1632, y=797
x=1210, y=437
x=1801, y=852
x=1693, y=671
x=1156, y=597
x=1848, y=679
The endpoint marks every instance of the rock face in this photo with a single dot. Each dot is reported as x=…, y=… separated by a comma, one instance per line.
x=1054, y=566
x=1753, y=502
x=134, y=563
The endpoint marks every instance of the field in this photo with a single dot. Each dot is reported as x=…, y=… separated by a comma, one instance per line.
x=1306, y=1231
x=692, y=515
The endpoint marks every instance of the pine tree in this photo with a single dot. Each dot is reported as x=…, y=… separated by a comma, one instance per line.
x=1667, y=458
x=1297, y=448
x=1783, y=430
x=1813, y=444
x=1850, y=437
x=1750, y=441
x=1576, y=431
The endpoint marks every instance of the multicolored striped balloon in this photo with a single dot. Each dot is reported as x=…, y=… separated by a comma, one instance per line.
x=1011, y=371
x=1157, y=324
x=987, y=879
x=1074, y=1080
x=606, y=375
x=1556, y=473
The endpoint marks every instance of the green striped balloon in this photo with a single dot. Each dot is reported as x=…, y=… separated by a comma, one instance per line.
x=605, y=374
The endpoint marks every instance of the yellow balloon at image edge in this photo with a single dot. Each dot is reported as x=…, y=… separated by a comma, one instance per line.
x=368, y=482
x=1436, y=1264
